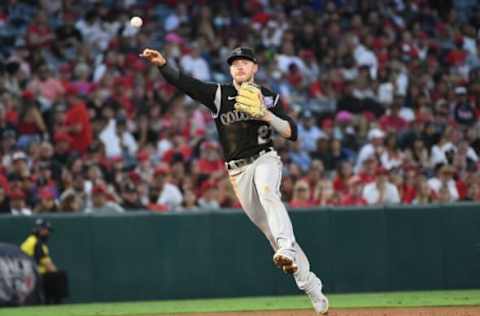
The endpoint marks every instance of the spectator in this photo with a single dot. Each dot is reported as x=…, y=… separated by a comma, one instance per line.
x=17, y=203
x=101, y=203
x=315, y=174
x=176, y=18
x=46, y=88
x=392, y=121
x=343, y=177
x=287, y=57
x=189, y=203
x=464, y=111
x=321, y=150
x=62, y=152
x=324, y=194
x=70, y=202
x=227, y=196
x=209, y=162
x=424, y=194
x=47, y=202
x=131, y=199
x=409, y=187
x=444, y=179
x=20, y=164
x=465, y=157
x=301, y=195
x=335, y=155
x=118, y=140
x=373, y=148
x=92, y=31
x=352, y=195
x=209, y=199
x=164, y=192
x=420, y=155
x=444, y=150
x=391, y=156
x=39, y=33
x=369, y=169
x=308, y=132
x=77, y=122
x=381, y=191
x=300, y=156
x=473, y=193
x=346, y=131
x=30, y=123
x=194, y=64
x=417, y=131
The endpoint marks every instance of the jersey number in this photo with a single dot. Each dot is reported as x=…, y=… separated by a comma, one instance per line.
x=264, y=134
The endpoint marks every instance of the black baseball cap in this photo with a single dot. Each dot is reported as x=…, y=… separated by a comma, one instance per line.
x=42, y=223
x=242, y=52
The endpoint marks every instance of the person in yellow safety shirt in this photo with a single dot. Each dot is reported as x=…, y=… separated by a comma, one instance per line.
x=54, y=281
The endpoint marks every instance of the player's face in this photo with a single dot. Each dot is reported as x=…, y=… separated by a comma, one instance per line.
x=243, y=70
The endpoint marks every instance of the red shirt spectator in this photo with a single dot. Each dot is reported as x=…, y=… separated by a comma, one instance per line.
x=456, y=57
x=409, y=193
x=344, y=175
x=30, y=119
x=462, y=189
x=352, y=196
x=4, y=183
x=39, y=33
x=301, y=195
x=77, y=122
x=46, y=85
x=366, y=177
x=393, y=121
x=210, y=161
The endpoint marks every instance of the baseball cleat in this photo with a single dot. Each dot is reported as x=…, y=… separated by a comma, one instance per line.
x=319, y=301
x=285, y=263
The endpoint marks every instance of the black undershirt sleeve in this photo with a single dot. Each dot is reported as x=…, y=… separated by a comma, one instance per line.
x=203, y=92
x=293, y=126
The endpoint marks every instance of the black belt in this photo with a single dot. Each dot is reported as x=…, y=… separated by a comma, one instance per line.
x=234, y=164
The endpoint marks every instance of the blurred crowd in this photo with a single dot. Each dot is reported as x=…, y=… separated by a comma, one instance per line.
x=386, y=95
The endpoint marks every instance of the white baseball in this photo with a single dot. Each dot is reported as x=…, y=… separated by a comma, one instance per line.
x=136, y=21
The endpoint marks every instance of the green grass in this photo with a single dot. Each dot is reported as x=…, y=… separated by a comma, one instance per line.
x=397, y=299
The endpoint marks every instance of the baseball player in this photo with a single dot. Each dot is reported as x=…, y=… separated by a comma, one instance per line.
x=245, y=115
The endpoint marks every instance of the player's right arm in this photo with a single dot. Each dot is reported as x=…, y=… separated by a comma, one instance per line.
x=201, y=91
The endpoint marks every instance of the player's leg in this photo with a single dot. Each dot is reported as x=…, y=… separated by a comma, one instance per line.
x=267, y=178
x=244, y=186
x=242, y=183
x=309, y=282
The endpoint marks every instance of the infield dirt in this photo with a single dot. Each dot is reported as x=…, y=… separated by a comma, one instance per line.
x=423, y=311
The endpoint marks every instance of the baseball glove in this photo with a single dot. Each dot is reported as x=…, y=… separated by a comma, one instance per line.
x=250, y=100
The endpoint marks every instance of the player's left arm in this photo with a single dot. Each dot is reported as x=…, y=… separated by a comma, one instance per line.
x=277, y=118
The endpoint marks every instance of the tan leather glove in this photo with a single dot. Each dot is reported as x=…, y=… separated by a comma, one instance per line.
x=250, y=100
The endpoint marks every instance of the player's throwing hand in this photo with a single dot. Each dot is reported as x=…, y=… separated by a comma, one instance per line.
x=153, y=56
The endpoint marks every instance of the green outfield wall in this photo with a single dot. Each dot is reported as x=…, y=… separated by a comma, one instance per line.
x=143, y=256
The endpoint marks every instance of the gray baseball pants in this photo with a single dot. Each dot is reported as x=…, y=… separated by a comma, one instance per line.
x=257, y=187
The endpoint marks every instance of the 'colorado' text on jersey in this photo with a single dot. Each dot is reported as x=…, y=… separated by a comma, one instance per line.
x=240, y=135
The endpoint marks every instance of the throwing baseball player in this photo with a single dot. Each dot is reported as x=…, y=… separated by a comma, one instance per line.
x=245, y=115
